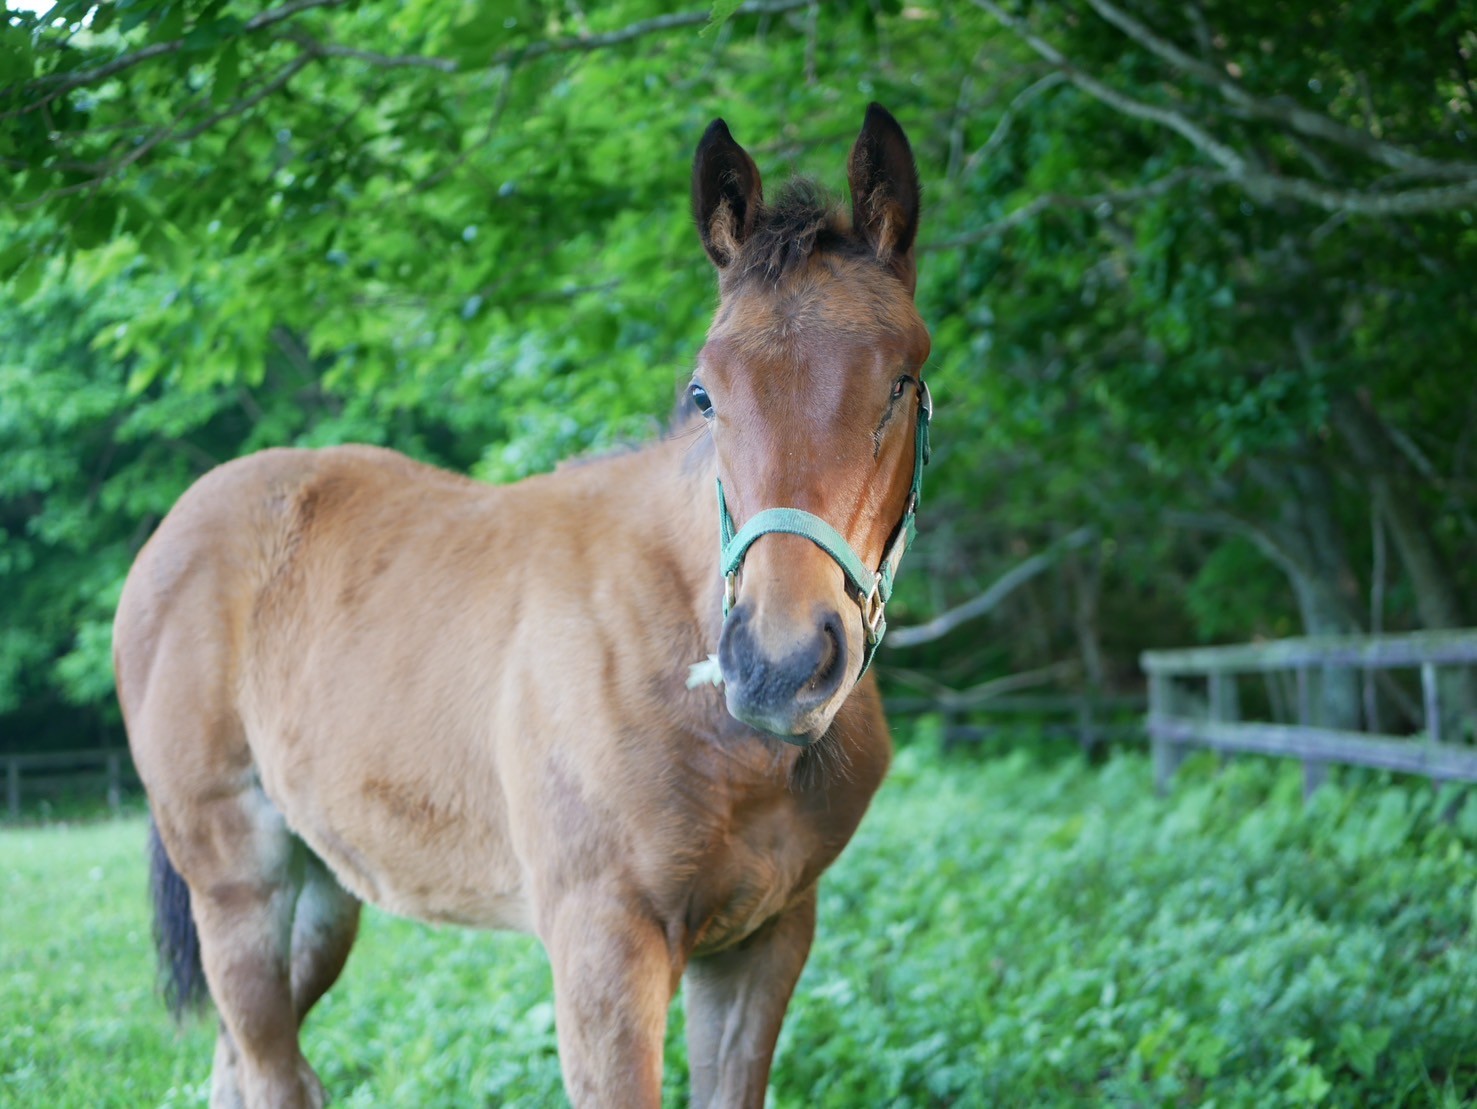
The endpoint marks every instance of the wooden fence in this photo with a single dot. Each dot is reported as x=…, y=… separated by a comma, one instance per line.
x=1176, y=725
x=109, y=769
x=1089, y=719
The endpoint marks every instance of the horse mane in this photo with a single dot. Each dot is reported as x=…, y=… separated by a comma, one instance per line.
x=802, y=220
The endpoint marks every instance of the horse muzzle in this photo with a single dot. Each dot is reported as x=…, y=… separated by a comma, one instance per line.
x=791, y=694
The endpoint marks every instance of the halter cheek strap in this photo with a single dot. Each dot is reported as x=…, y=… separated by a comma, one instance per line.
x=873, y=587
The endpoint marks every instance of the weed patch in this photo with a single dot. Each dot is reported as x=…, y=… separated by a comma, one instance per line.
x=1023, y=930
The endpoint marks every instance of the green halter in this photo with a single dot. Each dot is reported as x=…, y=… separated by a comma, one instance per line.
x=873, y=588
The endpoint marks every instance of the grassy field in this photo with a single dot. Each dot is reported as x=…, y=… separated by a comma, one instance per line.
x=1017, y=930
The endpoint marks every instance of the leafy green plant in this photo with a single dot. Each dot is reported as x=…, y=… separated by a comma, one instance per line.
x=1023, y=930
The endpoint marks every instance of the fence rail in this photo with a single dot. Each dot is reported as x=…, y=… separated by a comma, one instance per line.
x=1175, y=726
x=108, y=767
x=1089, y=718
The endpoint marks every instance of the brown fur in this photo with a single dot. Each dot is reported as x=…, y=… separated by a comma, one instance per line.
x=349, y=677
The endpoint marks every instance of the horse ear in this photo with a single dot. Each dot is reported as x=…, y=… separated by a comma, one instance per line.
x=884, y=188
x=726, y=193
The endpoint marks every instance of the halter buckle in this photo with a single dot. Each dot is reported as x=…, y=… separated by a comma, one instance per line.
x=872, y=609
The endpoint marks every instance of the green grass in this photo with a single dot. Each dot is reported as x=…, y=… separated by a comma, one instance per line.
x=1023, y=930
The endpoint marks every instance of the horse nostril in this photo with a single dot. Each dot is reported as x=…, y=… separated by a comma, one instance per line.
x=829, y=650
x=832, y=664
x=736, y=654
x=774, y=691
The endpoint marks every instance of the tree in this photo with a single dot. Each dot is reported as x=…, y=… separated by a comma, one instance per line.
x=1257, y=245
x=1195, y=283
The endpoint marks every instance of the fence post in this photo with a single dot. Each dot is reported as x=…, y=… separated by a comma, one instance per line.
x=1371, y=700
x=1087, y=737
x=1431, y=696
x=1225, y=703
x=115, y=784
x=1315, y=773
x=1167, y=754
x=949, y=722
x=13, y=788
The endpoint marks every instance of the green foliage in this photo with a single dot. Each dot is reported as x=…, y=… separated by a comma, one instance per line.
x=93, y=464
x=1229, y=597
x=1022, y=931
x=462, y=229
x=1029, y=933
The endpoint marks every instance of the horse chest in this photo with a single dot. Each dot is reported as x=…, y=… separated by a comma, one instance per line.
x=754, y=869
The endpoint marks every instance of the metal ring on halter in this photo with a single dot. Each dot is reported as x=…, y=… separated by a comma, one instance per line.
x=873, y=607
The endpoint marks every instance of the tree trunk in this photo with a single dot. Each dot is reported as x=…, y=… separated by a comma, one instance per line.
x=1395, y=496
x=1086, y=575
x=1396, y=500
x=1305, y=540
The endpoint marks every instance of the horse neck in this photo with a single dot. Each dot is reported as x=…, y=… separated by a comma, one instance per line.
x=672, y=503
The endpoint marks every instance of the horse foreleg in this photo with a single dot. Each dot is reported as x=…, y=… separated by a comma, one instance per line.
x=614, y=977
x=736, y=1001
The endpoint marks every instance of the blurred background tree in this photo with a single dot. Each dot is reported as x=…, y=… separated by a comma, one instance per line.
x=1200, y=281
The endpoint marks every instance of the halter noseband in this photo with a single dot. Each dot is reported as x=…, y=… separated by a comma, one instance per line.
x=873, y=588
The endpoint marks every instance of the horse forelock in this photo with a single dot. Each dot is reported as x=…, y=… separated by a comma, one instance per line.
x=803, y=276
x=802, y=220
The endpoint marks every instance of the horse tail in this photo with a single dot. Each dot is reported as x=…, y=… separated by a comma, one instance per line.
x=181, y=975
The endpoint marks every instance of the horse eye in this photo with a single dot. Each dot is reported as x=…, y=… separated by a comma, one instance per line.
x=700, y=399
x=899, y=385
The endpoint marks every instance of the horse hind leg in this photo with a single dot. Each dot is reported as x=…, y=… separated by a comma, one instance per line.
x=324, y=926
x=174, y=643
x=247, y=875
x=325, y=923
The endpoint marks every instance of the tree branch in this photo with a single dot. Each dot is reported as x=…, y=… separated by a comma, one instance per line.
x=948, y=699
x=172, y=133
x=1238, y=169
x=286, y=11
x=370, y=57
x=1224, y=522
x=566, y=45
x=261, y=92
x=1007, y=118
x=1093, y=201
x=1406, y=202
x=1213, y=148
x=1003, y=586
x=155, y=50
x=1286, y=112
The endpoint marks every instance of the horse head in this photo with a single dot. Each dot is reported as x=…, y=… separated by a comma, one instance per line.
x=811, y=385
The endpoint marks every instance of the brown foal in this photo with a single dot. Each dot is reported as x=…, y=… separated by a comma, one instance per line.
x=350, y=677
